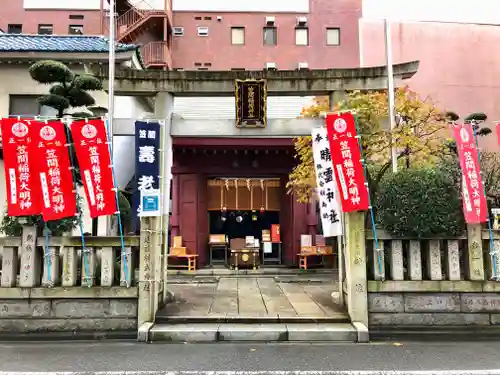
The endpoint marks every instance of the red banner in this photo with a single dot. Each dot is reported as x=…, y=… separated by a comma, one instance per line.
x=54, y=170
x=346, y=159
x=21, y=180
x=497, y=126
x=92, y=152
x=474, y=201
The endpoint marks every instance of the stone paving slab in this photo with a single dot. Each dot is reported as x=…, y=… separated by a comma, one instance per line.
x=254, y=297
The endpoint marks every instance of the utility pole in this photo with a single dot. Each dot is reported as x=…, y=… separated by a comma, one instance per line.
x=390, y=91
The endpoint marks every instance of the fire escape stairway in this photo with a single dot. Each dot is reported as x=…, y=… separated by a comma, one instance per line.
x=132, y=22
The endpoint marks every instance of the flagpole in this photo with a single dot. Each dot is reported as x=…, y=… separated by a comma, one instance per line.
x=111, y=87
x=390, y=89
x=111, y=80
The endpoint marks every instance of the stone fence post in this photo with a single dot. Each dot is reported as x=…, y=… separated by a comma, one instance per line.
x=29, y=275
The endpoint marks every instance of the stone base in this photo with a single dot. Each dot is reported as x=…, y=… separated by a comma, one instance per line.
x=55, y=315
x=413, y=309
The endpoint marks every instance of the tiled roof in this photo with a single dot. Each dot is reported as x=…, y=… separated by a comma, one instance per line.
x=58, y=43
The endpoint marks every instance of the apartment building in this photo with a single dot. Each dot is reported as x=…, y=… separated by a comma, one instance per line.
x=203, y=35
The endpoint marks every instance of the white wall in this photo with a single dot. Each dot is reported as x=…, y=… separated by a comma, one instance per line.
x=148, y=4
x=62, y=4
x=289, y=6
x=462, y=11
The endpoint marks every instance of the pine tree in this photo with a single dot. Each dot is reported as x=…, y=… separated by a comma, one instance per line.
x=68, y=90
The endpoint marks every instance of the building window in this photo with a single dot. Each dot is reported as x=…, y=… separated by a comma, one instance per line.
x=15, y=29
x=27, y=106
x=76, y=16
x=237, y=35
x=75, y=29
x=202, y=31
x=197, y=18
x=301, y=36
x=270, y=36
x=45, y=29
x=178, y=31
x=333, y=36
x=207, y=18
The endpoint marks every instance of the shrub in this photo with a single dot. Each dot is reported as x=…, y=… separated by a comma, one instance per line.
x=420, y=203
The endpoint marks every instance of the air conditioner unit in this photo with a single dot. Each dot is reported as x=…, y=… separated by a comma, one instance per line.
x=202, y=31
x=270, y=66
x=178, y=31
x=301, y=21
x=303, y=65
x=270, y=20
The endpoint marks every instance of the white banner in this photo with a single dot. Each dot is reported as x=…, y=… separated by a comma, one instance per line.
x=331, y=216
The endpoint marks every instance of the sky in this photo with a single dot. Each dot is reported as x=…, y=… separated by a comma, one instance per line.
x=464, y=11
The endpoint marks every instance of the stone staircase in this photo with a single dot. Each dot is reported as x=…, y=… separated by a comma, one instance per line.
x=255, y=329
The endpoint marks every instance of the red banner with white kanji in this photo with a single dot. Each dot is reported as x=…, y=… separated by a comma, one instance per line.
x=474, y=201
x=497, y=126
x=346, y=159
x=21, y=180
x=92, y=151
x=54, y=170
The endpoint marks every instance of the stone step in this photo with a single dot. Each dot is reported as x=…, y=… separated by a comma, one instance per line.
x=269, y=332
x=247, y=319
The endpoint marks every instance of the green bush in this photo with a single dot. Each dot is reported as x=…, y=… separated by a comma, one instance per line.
x=419, y=203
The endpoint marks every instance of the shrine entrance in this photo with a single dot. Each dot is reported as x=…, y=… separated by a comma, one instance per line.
x=197, y=149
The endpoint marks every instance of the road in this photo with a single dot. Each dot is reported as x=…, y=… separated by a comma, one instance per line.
x=132, y=356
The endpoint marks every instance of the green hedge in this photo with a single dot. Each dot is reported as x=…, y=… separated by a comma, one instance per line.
x=419, y=203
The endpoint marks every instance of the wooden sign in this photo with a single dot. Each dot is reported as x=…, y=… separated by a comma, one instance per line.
x=251, y=103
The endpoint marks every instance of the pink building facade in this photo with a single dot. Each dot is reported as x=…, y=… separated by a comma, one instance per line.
x=237, y=40
x=459, y=66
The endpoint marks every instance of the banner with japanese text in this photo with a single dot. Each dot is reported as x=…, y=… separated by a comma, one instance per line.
x=54, y=170
x=346, y=159
x=474, y=201
x=326, y=184
x=147, y=160
x=21, y=179
x=92, y=152
x=497, y=126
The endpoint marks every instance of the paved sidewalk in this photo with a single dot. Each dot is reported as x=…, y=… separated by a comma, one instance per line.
x=256, y=297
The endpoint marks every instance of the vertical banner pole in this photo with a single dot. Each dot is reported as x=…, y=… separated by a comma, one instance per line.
x=80, y=219
x=124, y=253
x=372, y=215
x=493, y=253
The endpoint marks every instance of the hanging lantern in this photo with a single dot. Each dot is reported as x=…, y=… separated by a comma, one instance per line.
x=262, y=210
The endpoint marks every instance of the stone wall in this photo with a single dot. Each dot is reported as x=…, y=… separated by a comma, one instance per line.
x=87, y=312
x=434, y=309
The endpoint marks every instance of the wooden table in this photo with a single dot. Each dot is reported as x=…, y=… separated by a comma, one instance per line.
x=191, y=261
x=314, y=251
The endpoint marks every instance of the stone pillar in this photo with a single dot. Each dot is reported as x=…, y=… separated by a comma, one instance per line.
x=397, y=268
x=164, y=106
x=475, y=252
x=146, y=274
x=453, y=264
x=355, y=244
x=30, y=263
x=415, y=261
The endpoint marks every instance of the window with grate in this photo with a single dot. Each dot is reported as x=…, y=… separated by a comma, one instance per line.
x=270, y=36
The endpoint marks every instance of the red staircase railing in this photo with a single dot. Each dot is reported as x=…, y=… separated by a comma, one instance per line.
x=156, y=55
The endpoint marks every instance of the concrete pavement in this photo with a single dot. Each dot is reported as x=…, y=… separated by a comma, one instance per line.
x=118, y=357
